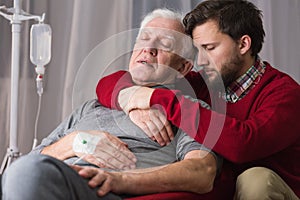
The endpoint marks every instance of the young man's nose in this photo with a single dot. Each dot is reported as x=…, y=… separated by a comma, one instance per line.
x=202, y=58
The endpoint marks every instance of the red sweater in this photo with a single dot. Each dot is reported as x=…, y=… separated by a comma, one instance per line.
x=261, y=129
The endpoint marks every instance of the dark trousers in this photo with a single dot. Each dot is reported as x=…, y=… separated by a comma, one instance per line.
x=36, y=177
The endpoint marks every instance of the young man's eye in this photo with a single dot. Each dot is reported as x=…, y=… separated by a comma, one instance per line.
x=209, y=48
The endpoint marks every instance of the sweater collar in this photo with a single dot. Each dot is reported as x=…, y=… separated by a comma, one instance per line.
x=240, y=87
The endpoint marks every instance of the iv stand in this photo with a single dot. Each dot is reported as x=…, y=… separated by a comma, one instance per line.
x=16, y=15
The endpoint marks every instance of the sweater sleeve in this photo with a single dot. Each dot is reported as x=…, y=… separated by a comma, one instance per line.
x=269, y=128
x=108, y=88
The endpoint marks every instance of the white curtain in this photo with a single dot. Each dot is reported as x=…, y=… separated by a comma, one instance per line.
x=282, y=27
x=78, y=26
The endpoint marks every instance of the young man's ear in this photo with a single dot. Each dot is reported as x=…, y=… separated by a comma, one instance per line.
x=245, y=44
x=186, y=68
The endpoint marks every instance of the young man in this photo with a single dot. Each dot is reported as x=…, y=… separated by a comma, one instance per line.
x=158, y=57
x=260, y=136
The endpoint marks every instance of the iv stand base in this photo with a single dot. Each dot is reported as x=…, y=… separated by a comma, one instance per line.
x=8, y=159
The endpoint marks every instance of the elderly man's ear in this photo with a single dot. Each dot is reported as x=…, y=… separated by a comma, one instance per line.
x=186, y=68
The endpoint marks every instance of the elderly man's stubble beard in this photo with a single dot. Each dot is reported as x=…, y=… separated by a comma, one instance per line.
x=150, y=75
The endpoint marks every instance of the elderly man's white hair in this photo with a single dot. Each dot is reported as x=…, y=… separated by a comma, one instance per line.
x=163, y=13
x=187, y=49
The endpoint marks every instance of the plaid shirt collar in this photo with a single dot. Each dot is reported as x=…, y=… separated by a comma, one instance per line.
x=239, y=88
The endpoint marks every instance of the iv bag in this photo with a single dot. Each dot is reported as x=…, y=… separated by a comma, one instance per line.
x=40, y=44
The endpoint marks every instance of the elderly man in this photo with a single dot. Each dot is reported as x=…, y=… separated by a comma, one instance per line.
x=114, y=142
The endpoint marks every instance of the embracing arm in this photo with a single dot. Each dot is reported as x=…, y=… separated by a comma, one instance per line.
x=271, y=111
x=108, y=88
x=193, y=174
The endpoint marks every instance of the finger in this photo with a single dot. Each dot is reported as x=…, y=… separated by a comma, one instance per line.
x=105, y=187
x=147, y=131
x=76, y=167
x=169, y=130
x=94, y=160
x=167, y=133
x=111, y=183
x=106, y=160
x=155, y=131
x=139, y=117
x=110, y=147
x=102, y=191
x=159, y=120
x=166, y=124
x=97, y=179
x=115, y=142
x=164, y=135
x=121, y=146
x=115, y=158
x=112, y=157
x=88, y=172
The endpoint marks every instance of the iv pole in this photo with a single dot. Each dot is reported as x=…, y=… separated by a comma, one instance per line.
x=16, y=16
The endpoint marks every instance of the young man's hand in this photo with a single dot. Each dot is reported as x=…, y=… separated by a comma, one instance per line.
x=154, y=124
x=135, y=97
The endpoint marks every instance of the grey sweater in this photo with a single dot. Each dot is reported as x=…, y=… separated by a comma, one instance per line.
x=92, y=116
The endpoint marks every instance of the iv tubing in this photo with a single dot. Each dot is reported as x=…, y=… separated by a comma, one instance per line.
x=36, y=122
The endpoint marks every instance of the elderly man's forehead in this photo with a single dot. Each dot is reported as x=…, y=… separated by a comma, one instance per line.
x=163, y=32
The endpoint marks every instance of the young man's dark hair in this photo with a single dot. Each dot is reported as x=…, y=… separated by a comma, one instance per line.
x=235, y=18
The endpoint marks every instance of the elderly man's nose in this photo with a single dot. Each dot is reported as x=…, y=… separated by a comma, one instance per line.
x=151, y=50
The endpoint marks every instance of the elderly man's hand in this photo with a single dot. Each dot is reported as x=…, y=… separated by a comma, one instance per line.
x=110, y=152
x=107, y=181
x=154, y=124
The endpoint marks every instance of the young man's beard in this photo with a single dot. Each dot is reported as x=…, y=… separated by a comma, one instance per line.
x=230, y=70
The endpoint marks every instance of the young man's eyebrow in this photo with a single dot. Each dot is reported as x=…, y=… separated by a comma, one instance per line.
x=205, y=44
